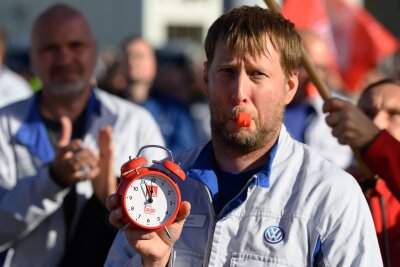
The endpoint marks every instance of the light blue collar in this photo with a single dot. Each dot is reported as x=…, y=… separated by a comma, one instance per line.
x=203, y=169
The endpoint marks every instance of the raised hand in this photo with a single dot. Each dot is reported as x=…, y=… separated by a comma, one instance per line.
x=349, y=124
x=105, y=183
x=72, y=163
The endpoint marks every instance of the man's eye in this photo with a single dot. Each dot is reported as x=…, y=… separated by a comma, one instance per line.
x=226, y=70
x=76, y=45
x=49, y=48
x=257, y=74
x=394, y=113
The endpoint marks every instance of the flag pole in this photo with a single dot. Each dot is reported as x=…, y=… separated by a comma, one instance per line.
x=322, y=89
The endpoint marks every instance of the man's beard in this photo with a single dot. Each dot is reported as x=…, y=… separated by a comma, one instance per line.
x=67, y=89
x=240, y=141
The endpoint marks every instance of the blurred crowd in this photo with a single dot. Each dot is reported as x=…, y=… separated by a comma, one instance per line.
x=167, y=82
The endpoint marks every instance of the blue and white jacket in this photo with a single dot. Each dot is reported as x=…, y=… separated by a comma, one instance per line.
x=32, y=229
x=299, y=210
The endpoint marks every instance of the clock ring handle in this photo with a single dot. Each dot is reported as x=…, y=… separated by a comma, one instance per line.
x=157, y=146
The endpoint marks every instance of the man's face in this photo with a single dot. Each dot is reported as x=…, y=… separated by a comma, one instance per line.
x=254, y=85
x=63, y=56
x=382, y=105
x=320, y=56
x=141, y=62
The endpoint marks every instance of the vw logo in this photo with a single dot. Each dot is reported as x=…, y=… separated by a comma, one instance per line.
x=274, y=234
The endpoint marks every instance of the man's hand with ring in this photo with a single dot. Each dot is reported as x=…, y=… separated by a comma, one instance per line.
x=72, y=162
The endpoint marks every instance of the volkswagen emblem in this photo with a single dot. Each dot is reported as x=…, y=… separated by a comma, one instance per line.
x=274, y=234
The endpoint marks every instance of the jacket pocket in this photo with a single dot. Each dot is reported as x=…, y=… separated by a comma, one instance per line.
x=252, y=260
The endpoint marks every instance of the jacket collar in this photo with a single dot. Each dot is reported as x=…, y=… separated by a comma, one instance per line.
x=33, y=133
x=204, y=169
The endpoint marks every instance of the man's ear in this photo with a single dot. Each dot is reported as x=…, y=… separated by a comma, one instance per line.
x=291, y=86
x=205, y=78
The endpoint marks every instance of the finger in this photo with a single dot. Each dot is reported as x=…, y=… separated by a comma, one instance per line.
x=112, y=201
x=85, y=157
x=184, y=211
x=338, y=130
x=86, y=173
x=66, y=131
x=332, y=119
x=67, y=152
x=334, y=104
x=107, y=181
x=105, y=141
x=327, y=106
x=106, y=150
x=115, y=217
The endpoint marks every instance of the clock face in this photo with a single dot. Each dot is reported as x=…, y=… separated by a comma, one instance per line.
x=151, y=200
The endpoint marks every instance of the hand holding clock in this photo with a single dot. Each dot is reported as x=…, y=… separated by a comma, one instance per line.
x=154, y=247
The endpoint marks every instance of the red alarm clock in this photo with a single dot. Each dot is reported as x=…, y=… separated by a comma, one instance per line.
x=150, y=197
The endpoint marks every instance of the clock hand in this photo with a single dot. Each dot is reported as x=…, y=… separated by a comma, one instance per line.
x=141, y=187
x=151, y=189
x=150, y=200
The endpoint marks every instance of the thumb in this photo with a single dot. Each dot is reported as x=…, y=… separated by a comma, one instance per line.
x=184, y=211
x=105, y=142
x=66, y=132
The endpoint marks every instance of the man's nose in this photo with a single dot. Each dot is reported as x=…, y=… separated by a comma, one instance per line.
x=241, y=85
x=64, y=55
x=381, y=120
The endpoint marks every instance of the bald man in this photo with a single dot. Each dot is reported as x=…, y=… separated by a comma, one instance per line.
x=60, y=151
x=304, y=118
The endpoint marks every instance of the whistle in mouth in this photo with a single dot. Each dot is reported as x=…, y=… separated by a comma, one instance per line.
x=243, y=119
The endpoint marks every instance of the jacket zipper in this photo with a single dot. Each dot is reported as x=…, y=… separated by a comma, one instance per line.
x=216, y=218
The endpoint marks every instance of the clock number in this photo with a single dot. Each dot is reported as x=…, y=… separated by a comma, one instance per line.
x=153, y=180
x=148, y=220
x=167, y=212
x=138, y=217
x=170, y=203
x=169, y=193
x=142, y=181
x=130, y=197
x=132, y=208
x=158, y=219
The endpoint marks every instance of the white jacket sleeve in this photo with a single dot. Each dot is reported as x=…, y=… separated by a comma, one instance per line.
x=24, y=205
x=351, y=239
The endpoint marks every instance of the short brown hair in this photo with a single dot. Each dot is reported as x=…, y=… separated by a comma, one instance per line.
x=244, y=29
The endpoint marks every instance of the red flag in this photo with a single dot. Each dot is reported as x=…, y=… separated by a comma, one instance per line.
x=360, y=41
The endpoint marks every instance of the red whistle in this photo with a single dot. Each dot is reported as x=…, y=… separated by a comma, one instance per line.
x=243, y=119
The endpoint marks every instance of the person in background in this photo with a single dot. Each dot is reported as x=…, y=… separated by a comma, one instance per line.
x=12, y=86
x=60, y=151
x=304, y=118
x=254, y=196
x=139, y=65
x=374, y=129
